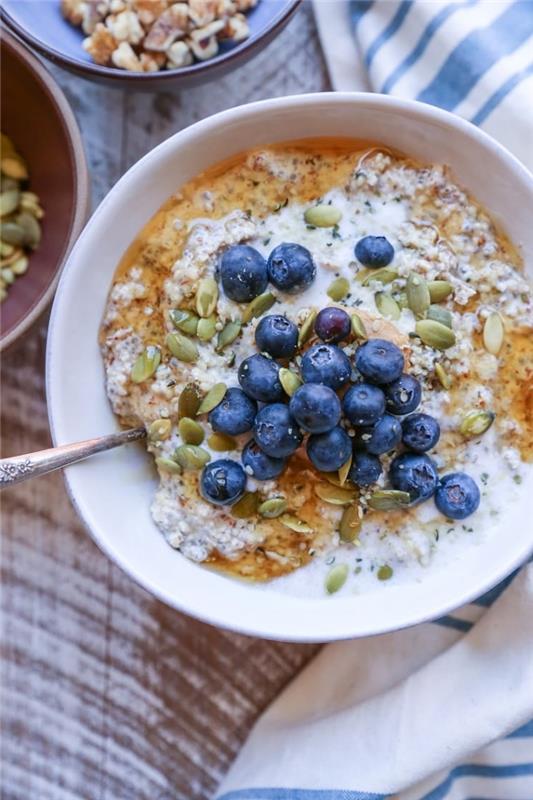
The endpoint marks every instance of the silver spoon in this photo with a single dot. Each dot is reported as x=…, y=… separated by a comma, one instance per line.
x=20, y=468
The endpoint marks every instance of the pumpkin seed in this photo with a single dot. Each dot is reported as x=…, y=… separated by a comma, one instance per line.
x=12, y=233
x=221, y=442
x=307, y=327
x=358, y=327
x=14, y=166
x=184, y=320
x=344, y=470
x=388, y=499
x=228, y=334
x=31, y=228
x=418, y=298
x=387, y=305
x=273, y=507
x=214, y=396
x=435, y=334
x=190, y=431
x=443, y=377
x=323, y=216
x=146, y=364
x=384, y=573
x=189, y=401
x=493, y=333
x=383, y=275
x=30, y=202
x=20, y=265
x=168, y=465
x=207, y=327
x=181, y=347
x=189, y=456
x=350, y=524
x=8, y=183
x=336, y=578
x=6, y=249
x=159, y=430
x=289, y=380
x=295, y=524
x=338, y=289
x=439, y=290
x=331, y=477
x=441, y=315
x=336, y=495
x=7, y=275
x=9, y=201
x=476, y=423
x=206, y=297
x=258, y=306
x=401, y=299
x=246, y=506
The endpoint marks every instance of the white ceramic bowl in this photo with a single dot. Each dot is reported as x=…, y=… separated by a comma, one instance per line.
x=112, y=492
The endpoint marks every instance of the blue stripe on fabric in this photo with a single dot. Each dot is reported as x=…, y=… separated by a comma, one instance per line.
x=492, y=595
x=424, y=41
x=358, y=9
x=476, y=54
x=478, y=771
x=522, y=733
x=300, y=794
x=389, y=31
x=494, y=101
x=454, y=622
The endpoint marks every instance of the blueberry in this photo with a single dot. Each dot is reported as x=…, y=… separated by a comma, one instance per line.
x=276, y=432
x=414, y=473
x=365, y=469
x=420, y=432
x=457, y=495
x=259, y=465
x=327, y=364
x=243, y=272
x=329, y=451
x=259, y=377
x=234, y=414
x=382, y=437
x=374, y=251
x=364, y=404
x=379, y=361
x=333, y=325
x=222, y=482
x=277, y=336
x=403, y=395
x=291, y=267
x=316, y=408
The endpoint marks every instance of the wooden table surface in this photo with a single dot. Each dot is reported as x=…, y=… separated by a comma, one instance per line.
x=107, y=694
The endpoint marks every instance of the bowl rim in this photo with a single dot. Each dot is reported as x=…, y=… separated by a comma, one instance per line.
x=279, y=630
x=82, y=192
x=116, y=75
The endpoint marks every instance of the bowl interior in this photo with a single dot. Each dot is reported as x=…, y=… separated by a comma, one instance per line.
x=113, y=492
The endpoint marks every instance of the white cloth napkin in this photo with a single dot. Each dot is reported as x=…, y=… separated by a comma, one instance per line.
x=441, y=710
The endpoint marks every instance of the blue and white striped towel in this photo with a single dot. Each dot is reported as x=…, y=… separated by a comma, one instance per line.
x=442, y=710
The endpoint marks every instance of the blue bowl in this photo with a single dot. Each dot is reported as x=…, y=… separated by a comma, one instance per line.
x=41, y=26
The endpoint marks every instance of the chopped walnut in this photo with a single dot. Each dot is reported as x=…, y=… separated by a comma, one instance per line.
x=179, y=55
x=73, y=11
x=100, y=44
x=125, y=58
x=204, y=49
x=116, y=6
x=152, y=62
x=202, y=12
x=148, y=10
x=245, y=5
x=171, y=25
x=202, y=34
x=125, y=27
x=94, y=11
x=236, y=28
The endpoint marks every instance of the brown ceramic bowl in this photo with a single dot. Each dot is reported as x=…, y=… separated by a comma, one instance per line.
x=37, y=117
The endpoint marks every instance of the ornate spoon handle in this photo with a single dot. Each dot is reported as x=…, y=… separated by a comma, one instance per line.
x=20, y=468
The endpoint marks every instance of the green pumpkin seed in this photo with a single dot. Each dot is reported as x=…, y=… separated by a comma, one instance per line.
x=146, y=364
x=443, y=377
x=418, y=297
x=350, y=524
x=493, y=333
x=191, y=432
x=214, y=396
x=7, y=275
x=207, y=328
x=336, y=578
x=31, y=228
x=307, y=328
x=9, y=201
x=289, y=380
x=189, y=401
x=159, y=430
x=230, y=358
x=383, y=275
x=181, y=347
x=388, y=499
x=475, y=423
x=338, y=289
x=441, y=315
x=331, y=477
x=189, y=456
x=439, y=290
x=6, y=249
x=20, y=265
x=206, y=297
x=273, y=507
x=245, y=507
x=344, y=470
x=168, y=465
x=12, y=233
x=401, y=299
x=387, y=306
x=295, y=524
x=435, y=334
x=384, y=573
x=323, y=216
x=221, y=442
x=184, y=320
x=336, y=495
x=358, y=327
x=228, y=334
x=13, y=166
x=258, y=306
